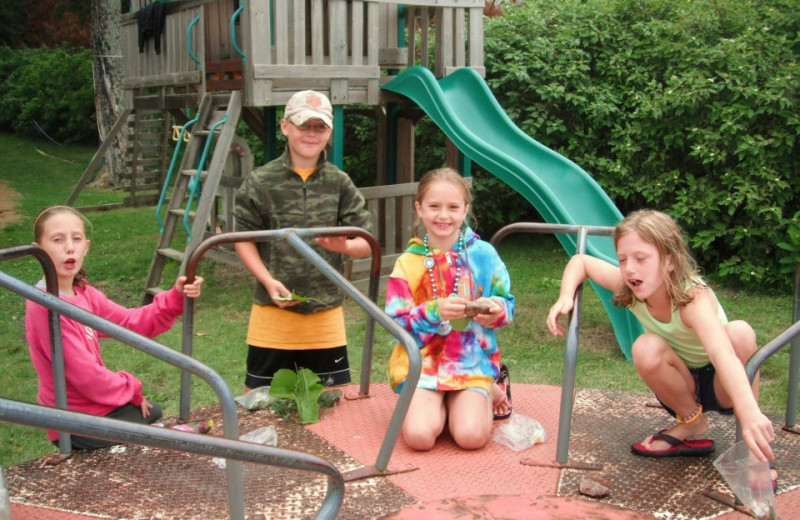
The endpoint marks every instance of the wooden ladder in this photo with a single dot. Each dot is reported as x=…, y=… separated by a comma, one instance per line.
x=214, y=107
x=146, y=157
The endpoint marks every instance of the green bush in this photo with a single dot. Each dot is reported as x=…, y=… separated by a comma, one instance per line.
x=688, y=106
x=48, y=87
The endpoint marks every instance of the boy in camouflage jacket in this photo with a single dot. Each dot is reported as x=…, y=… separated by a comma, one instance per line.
x=300, y=189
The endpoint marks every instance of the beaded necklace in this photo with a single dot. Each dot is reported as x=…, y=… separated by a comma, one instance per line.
x=430, y=263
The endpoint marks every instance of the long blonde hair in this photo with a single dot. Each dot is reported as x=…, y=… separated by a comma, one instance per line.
x=661, y=231
x=443, y=175
x=38, y=230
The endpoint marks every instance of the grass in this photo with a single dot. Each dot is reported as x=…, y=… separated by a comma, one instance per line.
x=122, y=245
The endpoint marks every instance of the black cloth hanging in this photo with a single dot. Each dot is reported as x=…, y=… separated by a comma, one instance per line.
x=151, y=25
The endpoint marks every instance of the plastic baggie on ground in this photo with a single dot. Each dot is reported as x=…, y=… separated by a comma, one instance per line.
x=266, y=435
x=748, y=478
x=520, y=433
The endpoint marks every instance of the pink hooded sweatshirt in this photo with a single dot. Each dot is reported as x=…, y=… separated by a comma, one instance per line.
x=91, y=387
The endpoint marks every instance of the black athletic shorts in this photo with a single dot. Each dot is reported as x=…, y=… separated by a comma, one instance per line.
x=330, y=364
x=704, y=391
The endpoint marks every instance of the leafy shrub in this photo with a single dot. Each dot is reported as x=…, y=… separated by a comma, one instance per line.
x=51, y=87
x=686, y=106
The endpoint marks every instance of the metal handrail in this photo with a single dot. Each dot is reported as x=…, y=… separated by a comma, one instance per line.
x=236, y=47
x=296, y=237
x=56, y=307
x=571, y=353
x=189, y=44
x=194, y=182
x=115, y=430
x=171, y=169
x=54, y=324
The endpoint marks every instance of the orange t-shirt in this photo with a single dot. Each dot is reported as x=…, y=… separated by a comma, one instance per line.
x=278, y=328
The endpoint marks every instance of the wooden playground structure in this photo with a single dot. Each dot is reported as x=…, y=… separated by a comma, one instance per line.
x=219, y=62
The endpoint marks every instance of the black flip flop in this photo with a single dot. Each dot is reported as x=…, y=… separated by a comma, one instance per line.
x=677, y=447
x=504, y=382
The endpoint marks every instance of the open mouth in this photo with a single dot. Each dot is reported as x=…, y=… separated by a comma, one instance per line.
x=634, y=283
x=69, y=264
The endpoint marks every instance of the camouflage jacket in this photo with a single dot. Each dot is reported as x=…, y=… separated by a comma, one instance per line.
x=272, y=197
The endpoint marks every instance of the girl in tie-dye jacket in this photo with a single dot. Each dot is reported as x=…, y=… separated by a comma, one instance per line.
x=460, y=356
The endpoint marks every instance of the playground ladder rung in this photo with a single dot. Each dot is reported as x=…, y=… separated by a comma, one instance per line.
x=171, y=253
x=207, y=132
x=181, y=212
x=192, y=172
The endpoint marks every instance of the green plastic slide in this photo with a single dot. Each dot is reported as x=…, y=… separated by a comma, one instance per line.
x=462, y=105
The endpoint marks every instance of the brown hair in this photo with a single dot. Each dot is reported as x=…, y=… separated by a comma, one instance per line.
x=38, y=230
x=443, y=175
x=661, y=231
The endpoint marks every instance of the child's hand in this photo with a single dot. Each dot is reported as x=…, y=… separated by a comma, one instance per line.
x=487, y=318
x=276, y=289
x=453, y=308
x=192, y=290
x=146, y=406
x=356, y=247
x=758, y=433
x=335, y=244
x=561, y=308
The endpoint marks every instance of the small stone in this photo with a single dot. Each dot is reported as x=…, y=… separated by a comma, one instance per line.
x=257, y=516
x=594, y=487
x=475, y=307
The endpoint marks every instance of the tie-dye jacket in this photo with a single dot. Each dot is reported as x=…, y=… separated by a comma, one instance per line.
x=457, y=360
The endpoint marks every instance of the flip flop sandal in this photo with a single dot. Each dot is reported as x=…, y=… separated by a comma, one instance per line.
x=504, y=382
x=677, y=448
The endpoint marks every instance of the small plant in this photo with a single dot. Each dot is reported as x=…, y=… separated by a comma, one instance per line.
x=303, y=387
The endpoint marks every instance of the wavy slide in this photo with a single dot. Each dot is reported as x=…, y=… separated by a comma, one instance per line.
x=462, y=105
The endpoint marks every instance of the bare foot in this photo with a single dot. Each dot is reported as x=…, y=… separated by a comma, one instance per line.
x=681, y=431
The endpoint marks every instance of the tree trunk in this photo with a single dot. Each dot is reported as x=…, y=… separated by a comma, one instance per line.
x=107, y=68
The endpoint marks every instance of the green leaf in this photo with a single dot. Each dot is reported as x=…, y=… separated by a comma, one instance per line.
x=296, y=297
x=303, y=387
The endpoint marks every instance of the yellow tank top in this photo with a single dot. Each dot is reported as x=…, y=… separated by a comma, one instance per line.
x=683, y=340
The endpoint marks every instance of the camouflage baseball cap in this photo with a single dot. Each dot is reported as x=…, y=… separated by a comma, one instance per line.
x=309, y=104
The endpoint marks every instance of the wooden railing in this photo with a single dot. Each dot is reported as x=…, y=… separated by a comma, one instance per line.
x=391, y=210
x=344, y=48
x=174, y=66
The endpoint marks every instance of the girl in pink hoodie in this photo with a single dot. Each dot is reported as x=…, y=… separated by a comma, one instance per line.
x=91, y=387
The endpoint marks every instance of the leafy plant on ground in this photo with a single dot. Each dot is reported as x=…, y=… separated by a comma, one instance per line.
x=303, y=387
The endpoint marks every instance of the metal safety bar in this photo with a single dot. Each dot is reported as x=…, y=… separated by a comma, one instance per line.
x=115, y=430
x=296, y=238
x=56, y=307
x=790, y=335
x=571, y=353
x=54, y=323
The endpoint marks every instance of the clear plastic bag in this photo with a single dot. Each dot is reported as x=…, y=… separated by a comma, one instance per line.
x=255, y=399
x=520, y=432
x=264, y=435
x=748, y=478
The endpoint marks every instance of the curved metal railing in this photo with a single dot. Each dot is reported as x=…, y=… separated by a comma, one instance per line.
x=296, y=238
x=63, y=420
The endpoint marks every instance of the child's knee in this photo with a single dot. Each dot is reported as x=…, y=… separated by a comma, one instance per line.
x=420, y=436
x=743, y=339
x=470, y=439
x=646, y=351
x=419, y=440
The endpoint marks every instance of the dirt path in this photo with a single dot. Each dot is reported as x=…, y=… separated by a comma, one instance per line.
x=8, y=204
